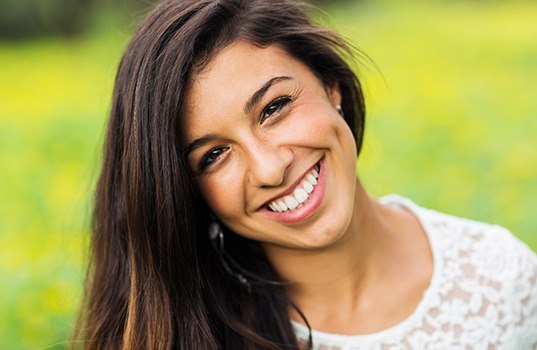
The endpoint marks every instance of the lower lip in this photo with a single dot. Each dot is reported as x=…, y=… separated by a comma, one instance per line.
x=305, y=209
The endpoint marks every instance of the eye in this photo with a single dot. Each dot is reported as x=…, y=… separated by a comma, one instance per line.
x=210, y=157
x=274, y=108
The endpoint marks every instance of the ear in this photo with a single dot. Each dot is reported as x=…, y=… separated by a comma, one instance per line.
x=334, y=92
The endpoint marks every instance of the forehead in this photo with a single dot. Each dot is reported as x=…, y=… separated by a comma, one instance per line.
x=229, y=80
x=241, y=65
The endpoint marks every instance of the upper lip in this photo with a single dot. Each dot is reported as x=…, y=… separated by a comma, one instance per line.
x=290, y=189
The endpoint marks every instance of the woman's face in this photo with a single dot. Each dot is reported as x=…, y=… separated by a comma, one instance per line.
x=271, y=155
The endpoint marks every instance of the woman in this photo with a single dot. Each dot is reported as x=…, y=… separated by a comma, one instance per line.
x=228, y=213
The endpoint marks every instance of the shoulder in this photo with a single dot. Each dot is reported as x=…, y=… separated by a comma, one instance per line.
x=492, y=249
x=497, y=278
x=489, y=245
x=487, y=272
x=491, y=252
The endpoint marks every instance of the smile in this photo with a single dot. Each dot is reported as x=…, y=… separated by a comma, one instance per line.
x=299, y=195
x=300, y=202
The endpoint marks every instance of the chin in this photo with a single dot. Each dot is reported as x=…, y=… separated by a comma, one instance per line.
x=325, y=236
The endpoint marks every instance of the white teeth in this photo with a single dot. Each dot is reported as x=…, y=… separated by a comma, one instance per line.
x=291, y=202
x=312, y=179
x=300, y=195
x=307, y=186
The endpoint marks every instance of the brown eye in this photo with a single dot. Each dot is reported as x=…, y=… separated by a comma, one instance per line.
x=274, y=108
x=210, y=157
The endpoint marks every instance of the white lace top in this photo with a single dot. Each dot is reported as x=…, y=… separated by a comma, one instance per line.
x=482, y=295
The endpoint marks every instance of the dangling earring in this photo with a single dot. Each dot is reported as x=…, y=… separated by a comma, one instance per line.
x=216, y=234
x=340, y=110
x=246, y=278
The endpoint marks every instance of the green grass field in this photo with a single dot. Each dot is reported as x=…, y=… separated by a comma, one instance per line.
x=452, y=109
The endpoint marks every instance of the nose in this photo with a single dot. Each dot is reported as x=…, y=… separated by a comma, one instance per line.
x=267, y=163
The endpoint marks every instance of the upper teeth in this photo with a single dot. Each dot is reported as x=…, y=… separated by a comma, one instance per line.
x=299, y=195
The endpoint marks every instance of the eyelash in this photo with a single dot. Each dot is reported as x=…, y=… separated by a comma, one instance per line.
x=279, y=103
x=212, y=156
x=206, y=161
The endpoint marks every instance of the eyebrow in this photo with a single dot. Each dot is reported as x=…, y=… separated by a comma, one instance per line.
x=248, y=107
x=258, y=95
x=197, y=143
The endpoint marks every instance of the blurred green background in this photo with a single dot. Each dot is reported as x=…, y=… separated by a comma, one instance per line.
x=452, y=122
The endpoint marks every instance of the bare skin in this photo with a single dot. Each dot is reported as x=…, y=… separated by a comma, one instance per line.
x=370, y=280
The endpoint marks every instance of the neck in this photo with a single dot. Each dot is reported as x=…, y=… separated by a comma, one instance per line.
x=333, y=279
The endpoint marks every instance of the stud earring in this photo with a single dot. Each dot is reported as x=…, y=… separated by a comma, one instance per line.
x=340, y=110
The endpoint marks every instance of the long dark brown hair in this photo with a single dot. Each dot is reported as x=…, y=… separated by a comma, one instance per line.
x=154, y=280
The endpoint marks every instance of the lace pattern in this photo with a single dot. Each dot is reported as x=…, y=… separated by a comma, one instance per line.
x=483, y=293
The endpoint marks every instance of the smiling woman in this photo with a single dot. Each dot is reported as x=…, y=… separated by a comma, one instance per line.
x=229, y=213
x=278, y=132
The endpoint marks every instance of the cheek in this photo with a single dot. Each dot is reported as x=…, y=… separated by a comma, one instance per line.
x=223, y=193
x=317, y=121
x=322, y=130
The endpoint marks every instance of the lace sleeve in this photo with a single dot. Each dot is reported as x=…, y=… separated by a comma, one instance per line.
x=524, y=298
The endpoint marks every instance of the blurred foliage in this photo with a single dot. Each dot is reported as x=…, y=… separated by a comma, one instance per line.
x=451, y=125
x=25, y=18
x=39, y=18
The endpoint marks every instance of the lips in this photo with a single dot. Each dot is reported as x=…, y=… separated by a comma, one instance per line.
x=313, y=183
x=299, y=194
